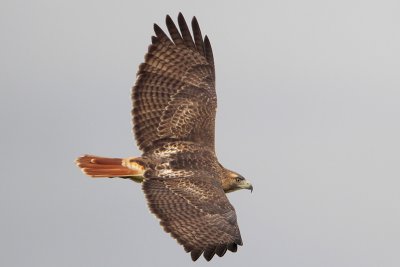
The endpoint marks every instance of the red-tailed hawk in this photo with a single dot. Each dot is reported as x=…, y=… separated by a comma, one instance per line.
x=174, y=106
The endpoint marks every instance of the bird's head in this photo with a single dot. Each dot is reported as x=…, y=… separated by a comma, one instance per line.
x=234, y=181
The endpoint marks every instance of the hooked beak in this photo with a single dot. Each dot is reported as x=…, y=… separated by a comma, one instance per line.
x=246, y=185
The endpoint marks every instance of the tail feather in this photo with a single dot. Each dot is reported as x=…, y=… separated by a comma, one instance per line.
x=95, y=166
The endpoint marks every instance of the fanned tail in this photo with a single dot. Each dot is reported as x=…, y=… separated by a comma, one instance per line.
x=97, y=167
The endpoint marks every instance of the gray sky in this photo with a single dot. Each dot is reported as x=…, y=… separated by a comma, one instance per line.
x=309, y=107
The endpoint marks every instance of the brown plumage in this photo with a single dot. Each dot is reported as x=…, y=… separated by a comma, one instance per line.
x=174, y=107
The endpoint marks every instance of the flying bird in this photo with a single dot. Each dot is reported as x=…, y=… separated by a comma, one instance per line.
x=174, y=107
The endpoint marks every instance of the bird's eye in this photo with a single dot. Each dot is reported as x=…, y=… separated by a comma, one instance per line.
x=238, y=179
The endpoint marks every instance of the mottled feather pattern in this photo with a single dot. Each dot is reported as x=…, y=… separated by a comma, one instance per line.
x=171, y=66
x=179, y=120
x=183, y=189
x=174, y=123
x=196, y=212
x=174, y=109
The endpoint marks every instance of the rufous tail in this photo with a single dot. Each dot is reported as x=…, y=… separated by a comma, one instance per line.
x=95, y=166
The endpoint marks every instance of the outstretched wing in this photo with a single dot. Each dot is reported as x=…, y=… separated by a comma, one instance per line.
x=196, y=212
x=184, y=191
x=174, y=96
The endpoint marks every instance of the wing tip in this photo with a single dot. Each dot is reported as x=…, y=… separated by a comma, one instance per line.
x=168, y=19
x=211, y=251
x=195, y=254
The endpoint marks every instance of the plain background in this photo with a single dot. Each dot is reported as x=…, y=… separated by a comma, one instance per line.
x=309, y=107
